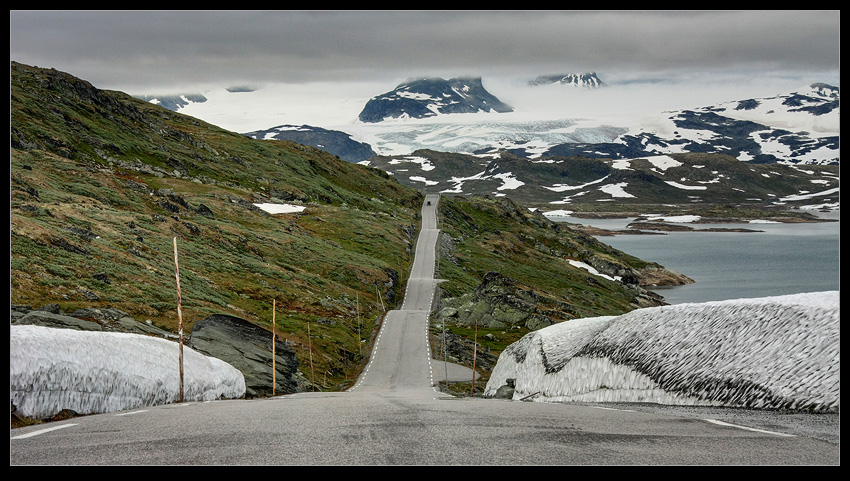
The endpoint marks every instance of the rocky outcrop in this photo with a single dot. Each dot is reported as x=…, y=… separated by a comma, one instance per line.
x=660, y=276
x=86, y=319
x=502, y=302
x=460, y=350
x=248, y=348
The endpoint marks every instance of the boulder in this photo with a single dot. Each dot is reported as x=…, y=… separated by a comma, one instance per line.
x=248, y=348
x=506, y=391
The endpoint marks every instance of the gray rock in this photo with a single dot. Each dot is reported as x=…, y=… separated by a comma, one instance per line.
x=52, y=308
x=506, y=391
x=86, y=319
x=463, y=351
x=49, y=319
x=248, y=348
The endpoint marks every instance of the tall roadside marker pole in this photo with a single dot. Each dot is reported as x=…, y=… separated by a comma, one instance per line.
x=274, y=369
x=179, y=316
x=310, y=348
x=474, y=357
x=359, y=334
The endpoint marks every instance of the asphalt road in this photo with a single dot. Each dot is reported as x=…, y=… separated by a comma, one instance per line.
x=394, y=416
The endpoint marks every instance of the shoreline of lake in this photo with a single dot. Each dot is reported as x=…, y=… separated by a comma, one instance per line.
x=763, y=259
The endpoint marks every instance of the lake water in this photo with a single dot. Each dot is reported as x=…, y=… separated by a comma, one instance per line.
x=784, y=259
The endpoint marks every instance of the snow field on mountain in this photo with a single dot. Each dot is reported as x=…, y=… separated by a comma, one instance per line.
x=100, y=372
x=768, y=353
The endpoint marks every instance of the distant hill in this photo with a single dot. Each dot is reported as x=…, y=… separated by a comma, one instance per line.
x=333, y=142
x=429, y=97
x=686, y=179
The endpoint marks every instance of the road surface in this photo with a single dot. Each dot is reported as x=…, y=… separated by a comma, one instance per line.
x=393, y=415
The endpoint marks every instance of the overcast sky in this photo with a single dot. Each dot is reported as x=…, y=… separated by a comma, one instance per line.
x=142, y=52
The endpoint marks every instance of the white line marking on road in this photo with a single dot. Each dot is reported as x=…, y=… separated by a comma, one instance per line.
x=714, y=421
x=613, y=409
x=42, y=431
x=132, y=412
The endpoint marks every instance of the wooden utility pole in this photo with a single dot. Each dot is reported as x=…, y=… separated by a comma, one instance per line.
x=179, y=316
x=274, y=369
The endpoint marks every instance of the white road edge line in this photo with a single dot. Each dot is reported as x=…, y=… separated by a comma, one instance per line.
x=614, y=409
x=721, y=423
x=132, y=412
x=42, y=431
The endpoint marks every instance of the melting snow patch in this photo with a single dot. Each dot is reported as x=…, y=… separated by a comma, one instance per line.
x=663, y=162
x=509, y=182
x=424, y=163
x=423, y=179
x=765, y=353
x=686, y=187
x=592, y=270
x=558, y=213
x=281, y=208
x=100, y=372
x=616, y=190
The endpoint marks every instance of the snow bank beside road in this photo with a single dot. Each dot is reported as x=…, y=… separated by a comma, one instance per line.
x=99, y=372
x=772, y=352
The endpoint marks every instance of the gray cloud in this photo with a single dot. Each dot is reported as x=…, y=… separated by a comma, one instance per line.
x=137, y=51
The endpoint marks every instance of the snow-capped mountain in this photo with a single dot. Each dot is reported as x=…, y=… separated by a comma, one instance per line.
x=586, y=80
x=460, y=116
x=800, y=127
x=428, y=97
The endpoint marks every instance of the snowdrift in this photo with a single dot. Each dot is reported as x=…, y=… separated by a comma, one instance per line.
x=100, y=372
x=765, y=353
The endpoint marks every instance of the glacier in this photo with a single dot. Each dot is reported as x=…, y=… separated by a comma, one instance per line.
x=100, y=372
x=777, y=352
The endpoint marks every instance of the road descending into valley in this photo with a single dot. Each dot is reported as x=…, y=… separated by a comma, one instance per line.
x=393, y=415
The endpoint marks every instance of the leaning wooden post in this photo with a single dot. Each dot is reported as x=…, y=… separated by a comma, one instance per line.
x=359, y=334
x=474, y=357
x=179, y=316
x=274, y=370
x=310, y=348
x=380, y=298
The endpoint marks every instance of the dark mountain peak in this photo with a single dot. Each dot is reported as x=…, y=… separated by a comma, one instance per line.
x=173, y=102
x=331, y=141
x=586, y=80
x=431, y=96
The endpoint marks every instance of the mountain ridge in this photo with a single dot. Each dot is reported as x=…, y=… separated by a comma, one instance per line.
x=686, y=180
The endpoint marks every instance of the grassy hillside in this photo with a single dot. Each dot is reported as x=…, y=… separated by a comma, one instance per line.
x=102, y=183
x=495, y=234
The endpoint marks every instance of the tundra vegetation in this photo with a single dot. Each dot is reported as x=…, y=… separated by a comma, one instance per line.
x=102, y=183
